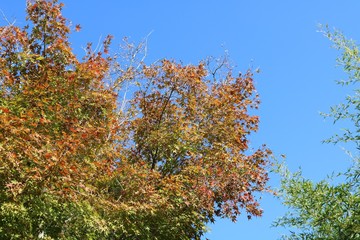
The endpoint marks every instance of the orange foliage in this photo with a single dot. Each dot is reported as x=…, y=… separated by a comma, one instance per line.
x=181, y=147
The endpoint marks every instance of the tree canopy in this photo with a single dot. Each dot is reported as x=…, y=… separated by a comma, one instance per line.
x=80, y=160
x=329, y=209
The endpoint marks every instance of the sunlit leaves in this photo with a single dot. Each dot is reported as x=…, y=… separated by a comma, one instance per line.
x=197, y=128
x=328, y=209
x=56, y=123
x=76, y=164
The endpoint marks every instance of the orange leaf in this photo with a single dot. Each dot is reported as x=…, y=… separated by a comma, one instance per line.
x=78, y=28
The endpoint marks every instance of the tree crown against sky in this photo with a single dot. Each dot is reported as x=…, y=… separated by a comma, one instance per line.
x=329, y=209
x=81, y=161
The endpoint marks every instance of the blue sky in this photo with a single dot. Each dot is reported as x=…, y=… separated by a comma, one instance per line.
x=298, y=68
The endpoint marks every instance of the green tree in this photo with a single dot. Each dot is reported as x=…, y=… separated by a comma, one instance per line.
x=78, y=162
x=329, y=210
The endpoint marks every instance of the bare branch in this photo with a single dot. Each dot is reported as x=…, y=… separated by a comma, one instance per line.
x=6, y=19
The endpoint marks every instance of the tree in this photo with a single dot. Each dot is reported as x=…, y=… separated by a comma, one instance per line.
x=79, y=163
x=327, y=210
x=56, y=129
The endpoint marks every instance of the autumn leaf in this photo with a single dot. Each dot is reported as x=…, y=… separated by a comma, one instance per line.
x=78, y=28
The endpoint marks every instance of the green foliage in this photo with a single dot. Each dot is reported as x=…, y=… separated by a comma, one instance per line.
x=323, y=210
x=47, y=216
x=350, y=108
x=329, y=209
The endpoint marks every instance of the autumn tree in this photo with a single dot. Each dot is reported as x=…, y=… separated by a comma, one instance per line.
x=80, y=160
x=56, y=126
x=329, y=209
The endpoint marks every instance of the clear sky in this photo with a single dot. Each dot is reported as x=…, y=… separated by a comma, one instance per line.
x=297, y=79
